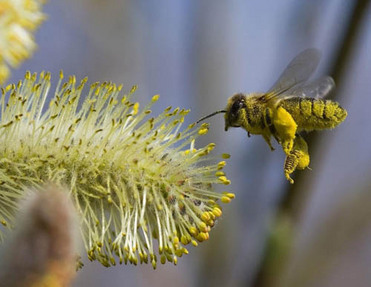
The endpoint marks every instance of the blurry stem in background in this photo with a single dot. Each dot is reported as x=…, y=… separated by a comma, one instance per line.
x=294, y=199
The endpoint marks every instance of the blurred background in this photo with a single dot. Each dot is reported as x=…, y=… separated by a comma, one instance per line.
x=196, y=54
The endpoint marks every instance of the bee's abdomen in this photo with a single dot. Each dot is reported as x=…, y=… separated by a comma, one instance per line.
x=313, y=114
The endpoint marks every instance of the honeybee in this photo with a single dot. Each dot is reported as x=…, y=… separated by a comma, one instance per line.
x=291, y=106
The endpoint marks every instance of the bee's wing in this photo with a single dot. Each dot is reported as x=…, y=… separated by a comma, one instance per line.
x=299, y=70
x=317, y=89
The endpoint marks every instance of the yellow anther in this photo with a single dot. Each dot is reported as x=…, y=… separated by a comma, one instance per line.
x=225, y=199
x=205, y=216
x=47, y=77
x=211, y=146
x=203, y=131
x=221, y=164
x=191, y=126
x=212, y=215
x=179, y=252
x=193, y=230
x=219, y=173
x=202, y=236
x=217, y=211
x=185, y=239
x=226, y=155
x=133, y=89
x=210, y=223
x=169, y=258
x=224, y=180
x=135, y=108
x=229, y=194
x=176, y=240
x=155, y=98
x=202, y=226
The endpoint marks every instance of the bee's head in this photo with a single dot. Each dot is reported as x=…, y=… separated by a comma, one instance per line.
x=232, y=116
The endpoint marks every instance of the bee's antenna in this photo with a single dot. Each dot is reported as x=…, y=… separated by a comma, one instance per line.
x=211, y=115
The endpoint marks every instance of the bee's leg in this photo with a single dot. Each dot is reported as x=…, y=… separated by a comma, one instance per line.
x=248, y=134
x=287, y=146
x=270, y=125
x=298, y=158
x=301, y=146
x=268, y=141
x=277, y=139
x=290, y=165
x=286, y=129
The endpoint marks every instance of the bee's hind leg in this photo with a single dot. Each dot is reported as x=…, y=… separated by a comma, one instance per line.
x=267, y=138
x=298, y=158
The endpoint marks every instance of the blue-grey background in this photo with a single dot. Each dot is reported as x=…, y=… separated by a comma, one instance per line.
x=195, y=54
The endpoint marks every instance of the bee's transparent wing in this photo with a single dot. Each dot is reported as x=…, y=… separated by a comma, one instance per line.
x=298, y=71
x=318, y=88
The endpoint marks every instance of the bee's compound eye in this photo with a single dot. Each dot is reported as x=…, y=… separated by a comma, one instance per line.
x=237, y=105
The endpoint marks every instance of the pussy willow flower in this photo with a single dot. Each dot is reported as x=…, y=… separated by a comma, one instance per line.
x=142, y=189
x=42, y=249
x=18, y=21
